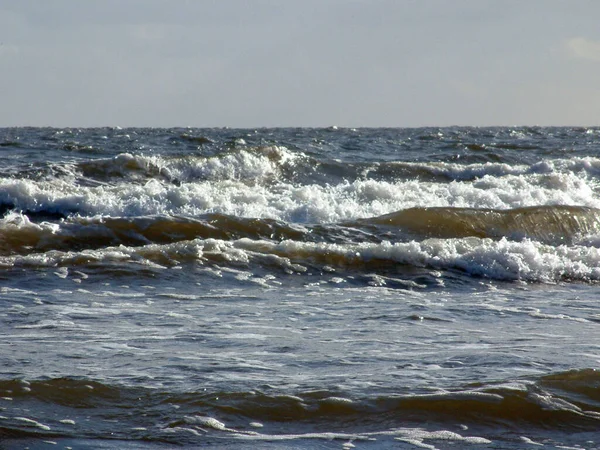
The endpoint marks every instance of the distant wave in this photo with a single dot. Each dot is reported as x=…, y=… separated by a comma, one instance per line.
x=448, y=171
x=286, y=165
x=235, y=164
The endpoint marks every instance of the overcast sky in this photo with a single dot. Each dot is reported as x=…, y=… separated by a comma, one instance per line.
x=253, y=63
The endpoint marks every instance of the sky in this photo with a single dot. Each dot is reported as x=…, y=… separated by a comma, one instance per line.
x=305, y=63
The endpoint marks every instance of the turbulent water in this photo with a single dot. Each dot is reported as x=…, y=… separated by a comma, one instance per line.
x=300, y=288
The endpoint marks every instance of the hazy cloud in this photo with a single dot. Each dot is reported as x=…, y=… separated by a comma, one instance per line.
x=297, y=63
x=583, y=48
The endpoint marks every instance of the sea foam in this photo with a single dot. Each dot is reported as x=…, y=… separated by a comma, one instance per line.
x=496, y=259
x=296, y=203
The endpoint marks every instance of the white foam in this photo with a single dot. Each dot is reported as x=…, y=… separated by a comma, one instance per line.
x=53, y=324
x=205, y=421
x=530, y=442
x=16, y=222
x=503, y=259
x=337, y=401
x=551, y=403
x=457, y=171
x=258, y=163
x=33, y=423
x=414, y=436
x=418, y=435
x=526, y=260
x=252, y=163
x=247, y=184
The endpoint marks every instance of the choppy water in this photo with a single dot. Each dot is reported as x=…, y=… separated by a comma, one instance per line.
x=300, y=288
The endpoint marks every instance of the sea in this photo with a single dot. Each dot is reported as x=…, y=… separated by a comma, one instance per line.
x=300, y=288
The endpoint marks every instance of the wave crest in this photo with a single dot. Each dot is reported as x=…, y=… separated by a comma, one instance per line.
x=551, y=224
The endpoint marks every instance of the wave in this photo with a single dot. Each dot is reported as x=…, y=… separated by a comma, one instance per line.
x=567, y=402
x=247, y=163
x=20, y=235
x=285, y=201
x=298, y=164
x=551, y=224
x=445, y=171
x=279, y=163
x=540, y=244
x=47, y=230
x=15, y=144
x=501, y=260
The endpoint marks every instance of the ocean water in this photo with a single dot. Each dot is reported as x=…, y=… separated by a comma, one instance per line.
x=300, y=288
